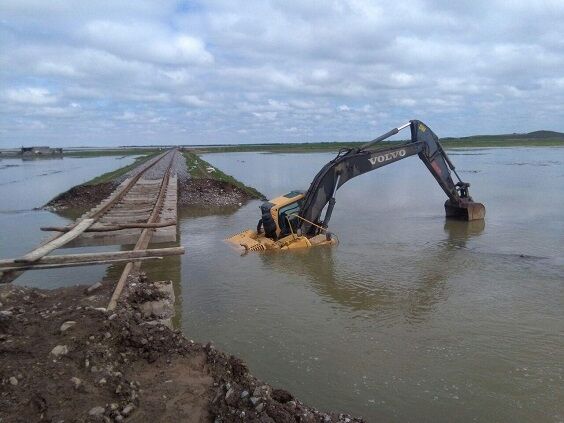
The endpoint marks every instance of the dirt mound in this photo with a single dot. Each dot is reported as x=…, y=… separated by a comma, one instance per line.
x=64, y=358
x=191, y=192
x=210, y=192
x=82, y=197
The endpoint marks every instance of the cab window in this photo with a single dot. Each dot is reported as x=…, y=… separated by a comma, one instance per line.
x=286, y=212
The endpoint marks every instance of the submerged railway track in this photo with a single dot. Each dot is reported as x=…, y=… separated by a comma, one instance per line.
x=142, y=209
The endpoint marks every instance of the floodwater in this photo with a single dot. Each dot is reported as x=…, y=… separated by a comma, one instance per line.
x=30, y=183
x=411, y=317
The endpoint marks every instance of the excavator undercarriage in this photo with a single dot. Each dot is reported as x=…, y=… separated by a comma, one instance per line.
x=294, y=220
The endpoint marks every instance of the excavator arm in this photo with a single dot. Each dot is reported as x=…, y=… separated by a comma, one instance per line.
x=353, y=162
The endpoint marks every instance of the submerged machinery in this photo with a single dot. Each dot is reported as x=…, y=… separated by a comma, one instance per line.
x=294, y=220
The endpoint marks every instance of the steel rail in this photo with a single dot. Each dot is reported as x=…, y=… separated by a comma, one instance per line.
x=43, y=249
x=144, y=238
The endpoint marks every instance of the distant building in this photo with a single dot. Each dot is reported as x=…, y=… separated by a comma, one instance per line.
x=41, y=151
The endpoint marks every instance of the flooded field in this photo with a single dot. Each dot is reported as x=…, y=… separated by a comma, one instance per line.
x=410, y=318
x=28, y=184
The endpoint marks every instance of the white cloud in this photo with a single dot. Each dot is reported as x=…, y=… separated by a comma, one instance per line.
x=265, y=115
x=193, y=100
x=268, y=71
x=30, y=95
x=57, y=69
x=147, y=42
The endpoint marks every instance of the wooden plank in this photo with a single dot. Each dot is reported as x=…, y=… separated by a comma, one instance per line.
x=113, y=228
x=124, y=213
x=122, y=237
x=93, y=213
x=57, y=242
x=122, y=220
x=33, y=266
x=145, y=237
x=138, y=202
x=130, y=236
x=123, y=209
x=11, y=264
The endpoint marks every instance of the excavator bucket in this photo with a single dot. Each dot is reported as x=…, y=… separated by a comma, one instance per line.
x=465, y=211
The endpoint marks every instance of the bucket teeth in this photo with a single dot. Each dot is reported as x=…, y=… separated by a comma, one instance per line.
x=257, y=247
x=247, y=240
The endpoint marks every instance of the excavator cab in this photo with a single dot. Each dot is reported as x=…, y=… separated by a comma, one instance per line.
x=279, y=215
x=278, y=228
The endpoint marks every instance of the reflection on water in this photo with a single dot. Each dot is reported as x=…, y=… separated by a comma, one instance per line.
x=329, y=280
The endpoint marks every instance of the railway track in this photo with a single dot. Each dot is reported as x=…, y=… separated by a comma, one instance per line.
x=140, y=206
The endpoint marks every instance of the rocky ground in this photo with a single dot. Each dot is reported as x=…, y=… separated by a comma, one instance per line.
x=66, y=359
x=81, y=196
x=209, y=192
x=206, y=192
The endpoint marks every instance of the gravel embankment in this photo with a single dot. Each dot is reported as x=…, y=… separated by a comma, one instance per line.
x=191, y=192
x=64, y=358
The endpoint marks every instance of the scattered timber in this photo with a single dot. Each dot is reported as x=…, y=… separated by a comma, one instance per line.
x=111, y=228
x=57, y=242
x=33, y=266
x=143, y=240
x=138, y=209
x=70, y=259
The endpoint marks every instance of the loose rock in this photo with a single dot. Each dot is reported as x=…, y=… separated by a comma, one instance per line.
x=96, y=411
x=127, y=410
x=222, y=383
x=60, y=350
x=67, y=325
x=93, y=287
x=76, y=382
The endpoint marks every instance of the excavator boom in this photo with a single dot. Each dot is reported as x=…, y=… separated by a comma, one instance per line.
x=294, y=220
x=353, y=162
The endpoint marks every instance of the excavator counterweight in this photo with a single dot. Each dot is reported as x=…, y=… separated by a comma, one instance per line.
x=294, y=220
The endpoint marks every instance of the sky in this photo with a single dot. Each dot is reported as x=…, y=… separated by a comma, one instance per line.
x=107, y=73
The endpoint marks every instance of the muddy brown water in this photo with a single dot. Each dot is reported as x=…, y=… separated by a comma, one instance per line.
x=411, y=317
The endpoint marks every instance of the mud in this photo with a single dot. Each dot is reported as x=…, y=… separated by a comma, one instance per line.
x=83, y=197
x=65, y=358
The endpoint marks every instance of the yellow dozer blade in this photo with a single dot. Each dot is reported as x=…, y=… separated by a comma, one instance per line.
x=250, y=240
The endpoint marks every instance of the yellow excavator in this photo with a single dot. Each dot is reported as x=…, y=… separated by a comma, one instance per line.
x=294, y=220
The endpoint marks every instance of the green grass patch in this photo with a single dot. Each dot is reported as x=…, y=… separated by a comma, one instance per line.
x=110, y=176
x=198, y=169
x=512, y=140
x=110, y=152
x=487, y=141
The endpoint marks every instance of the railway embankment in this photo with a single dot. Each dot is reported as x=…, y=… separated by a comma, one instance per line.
x=208, y=186
x=66, y=357
x=199, y=185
